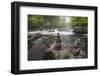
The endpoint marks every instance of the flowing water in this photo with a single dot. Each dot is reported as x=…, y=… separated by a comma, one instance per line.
x=67, y=36
x=53, y=32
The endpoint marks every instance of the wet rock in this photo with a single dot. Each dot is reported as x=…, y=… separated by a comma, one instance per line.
x=38, y=48
x=48, y=56
x=80, y=30
x=67, y=51
x=63, y=53
x=67, y=47
x=58, y=42
x=33, y=37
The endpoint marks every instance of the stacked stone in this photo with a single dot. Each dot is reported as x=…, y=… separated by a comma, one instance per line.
x=58, y=43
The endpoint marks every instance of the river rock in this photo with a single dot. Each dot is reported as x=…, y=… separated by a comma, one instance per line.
x=63, y=53
x=80, y=30
x=38, y=48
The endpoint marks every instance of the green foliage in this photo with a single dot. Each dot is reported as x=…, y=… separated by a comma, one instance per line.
x=38, y=21
x=78, y=21
x=35, y=21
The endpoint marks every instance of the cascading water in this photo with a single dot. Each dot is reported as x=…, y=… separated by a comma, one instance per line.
x=56, y=31
x=67, y=30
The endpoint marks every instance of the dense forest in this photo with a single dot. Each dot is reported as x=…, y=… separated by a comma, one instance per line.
x=79, y=21
x=45, y=22
x=40, y=22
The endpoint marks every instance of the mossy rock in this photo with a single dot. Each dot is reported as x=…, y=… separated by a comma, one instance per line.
x=80, y=30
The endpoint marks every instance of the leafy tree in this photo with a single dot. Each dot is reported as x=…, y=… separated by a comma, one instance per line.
x=39, y=21
x=78, y=21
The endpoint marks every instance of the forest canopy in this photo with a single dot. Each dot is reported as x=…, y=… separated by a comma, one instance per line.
x=78, y=21
x=40, y=21
x=35, y=21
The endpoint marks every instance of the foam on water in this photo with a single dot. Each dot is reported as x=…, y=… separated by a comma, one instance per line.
x=54, y=33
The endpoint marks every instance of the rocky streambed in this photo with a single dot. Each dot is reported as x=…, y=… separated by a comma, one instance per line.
x=41, y=47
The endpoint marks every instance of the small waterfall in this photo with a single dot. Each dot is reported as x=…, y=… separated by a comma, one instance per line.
x=68, y=28
x=56, y=30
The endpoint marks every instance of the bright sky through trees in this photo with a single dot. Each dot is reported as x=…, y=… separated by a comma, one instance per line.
x=67, y=19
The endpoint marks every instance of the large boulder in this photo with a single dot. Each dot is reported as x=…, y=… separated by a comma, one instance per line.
x=37, y=51
x=33, y=37
x=80, y=30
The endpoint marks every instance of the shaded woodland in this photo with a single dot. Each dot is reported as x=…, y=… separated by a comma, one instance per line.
x=57, y=37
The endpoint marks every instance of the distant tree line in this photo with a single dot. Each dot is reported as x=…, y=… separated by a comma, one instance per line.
x=39, y=22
